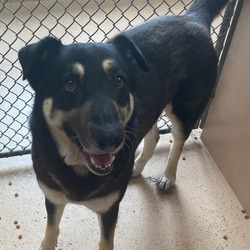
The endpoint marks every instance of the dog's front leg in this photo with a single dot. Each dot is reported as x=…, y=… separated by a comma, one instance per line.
x=54, y=214
x=150, y=142
x=107, y=222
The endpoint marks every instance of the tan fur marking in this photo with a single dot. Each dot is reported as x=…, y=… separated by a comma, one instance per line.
x=107, y=65
x=67, y=149
x=128, y=110
x=97, y=205
x=78, y=69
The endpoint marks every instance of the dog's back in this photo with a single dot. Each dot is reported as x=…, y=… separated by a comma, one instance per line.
x=182, y=62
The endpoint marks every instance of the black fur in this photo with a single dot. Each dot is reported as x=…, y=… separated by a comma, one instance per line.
x=162, y=61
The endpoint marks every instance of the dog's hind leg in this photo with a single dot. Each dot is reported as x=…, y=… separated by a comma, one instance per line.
x=107, y=223
x=150, y=142
x=167, y=180
x=54, y=212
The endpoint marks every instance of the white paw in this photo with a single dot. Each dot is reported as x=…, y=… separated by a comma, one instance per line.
x=48, y=244
x=138, y=167
x=136, y=172
x=165, y=183
x=44, y=247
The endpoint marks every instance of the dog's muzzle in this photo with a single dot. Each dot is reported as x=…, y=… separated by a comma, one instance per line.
x=107, y=141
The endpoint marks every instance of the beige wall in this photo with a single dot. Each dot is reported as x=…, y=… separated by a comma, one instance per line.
x=226, y=133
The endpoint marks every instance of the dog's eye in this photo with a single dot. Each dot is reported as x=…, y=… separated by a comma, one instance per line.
x=70, y=86
x=119, y=81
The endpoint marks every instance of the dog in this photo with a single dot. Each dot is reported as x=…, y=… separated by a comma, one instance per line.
x=95, y=102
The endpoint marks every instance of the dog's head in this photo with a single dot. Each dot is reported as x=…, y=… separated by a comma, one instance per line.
x=85, y=94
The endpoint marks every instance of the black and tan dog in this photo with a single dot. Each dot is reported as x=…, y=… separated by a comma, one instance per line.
x=95, y=102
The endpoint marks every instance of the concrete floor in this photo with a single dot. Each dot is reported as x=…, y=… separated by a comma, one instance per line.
x=200, y=212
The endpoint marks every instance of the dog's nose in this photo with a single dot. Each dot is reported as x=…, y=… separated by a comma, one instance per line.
x=108, y=137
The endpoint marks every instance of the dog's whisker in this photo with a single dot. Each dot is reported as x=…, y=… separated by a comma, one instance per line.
x=130, y=132
x=130, y=147
x=135, y=130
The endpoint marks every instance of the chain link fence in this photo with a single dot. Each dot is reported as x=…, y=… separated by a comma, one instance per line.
x=23, y=22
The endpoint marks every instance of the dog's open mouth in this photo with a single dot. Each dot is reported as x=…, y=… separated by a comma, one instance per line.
x=101, y=164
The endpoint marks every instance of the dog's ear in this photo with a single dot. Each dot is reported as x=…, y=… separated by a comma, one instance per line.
x=34, y=57
x=128, y=47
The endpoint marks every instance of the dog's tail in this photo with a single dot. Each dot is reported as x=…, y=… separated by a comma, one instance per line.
x=206, y=10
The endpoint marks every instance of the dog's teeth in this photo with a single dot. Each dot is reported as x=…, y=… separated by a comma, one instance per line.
x=102, y=167
x=92, y=161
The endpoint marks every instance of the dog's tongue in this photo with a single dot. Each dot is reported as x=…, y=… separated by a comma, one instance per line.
x=103, y=159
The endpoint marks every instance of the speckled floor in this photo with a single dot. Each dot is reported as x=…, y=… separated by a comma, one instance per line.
x=200, y=212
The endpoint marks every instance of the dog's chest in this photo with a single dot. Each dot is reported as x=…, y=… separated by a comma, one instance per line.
x=96, y=204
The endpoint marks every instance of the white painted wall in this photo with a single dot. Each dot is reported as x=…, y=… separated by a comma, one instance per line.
x=226, y=133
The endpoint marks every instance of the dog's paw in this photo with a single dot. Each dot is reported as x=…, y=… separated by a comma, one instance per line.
x=45, y=245
x=136, y=172
x=165, y=183
x=46, y=248
x=138, y=167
